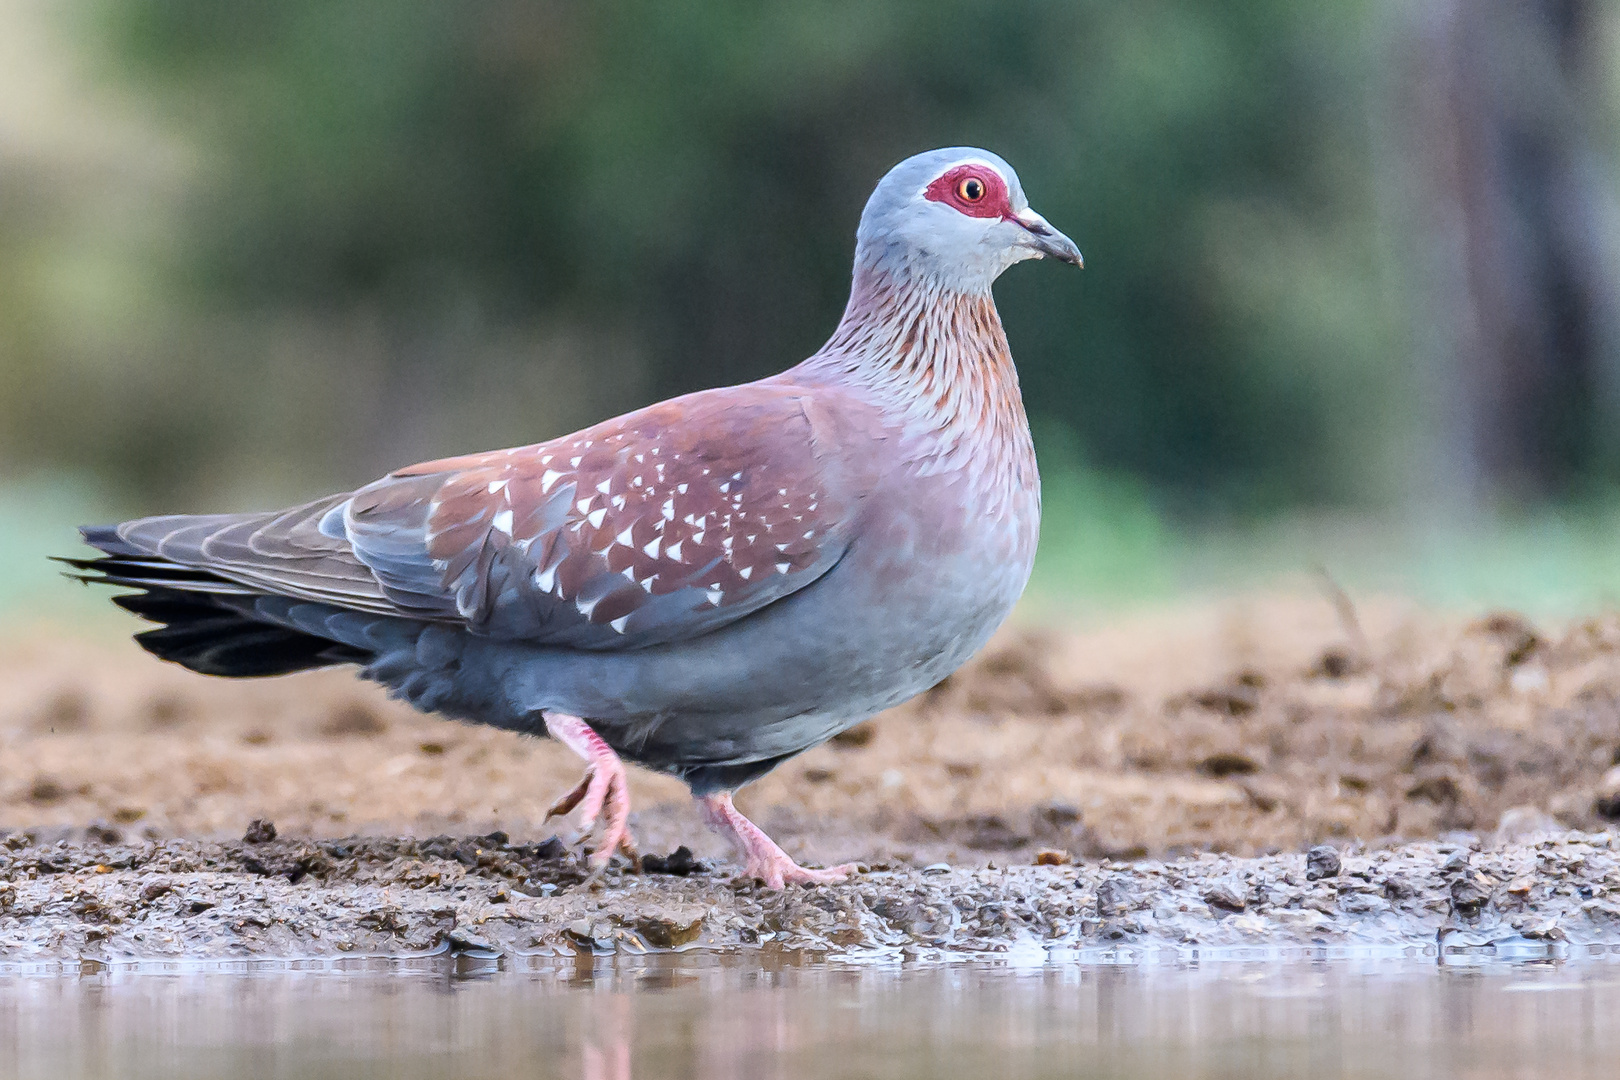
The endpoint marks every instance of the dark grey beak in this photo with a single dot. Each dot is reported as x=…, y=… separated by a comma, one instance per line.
x=1048, y=241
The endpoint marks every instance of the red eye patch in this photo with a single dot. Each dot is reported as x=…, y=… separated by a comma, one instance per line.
x=975, y=190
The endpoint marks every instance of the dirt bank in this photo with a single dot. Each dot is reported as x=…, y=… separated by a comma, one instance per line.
x=487, y=896
x=1253, y=726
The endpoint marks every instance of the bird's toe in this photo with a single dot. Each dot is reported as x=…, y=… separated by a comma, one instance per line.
x=780, y=873
x=570, y=800
x=616, y=826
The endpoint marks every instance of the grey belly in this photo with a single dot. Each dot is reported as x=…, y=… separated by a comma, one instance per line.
x=778, y=682
x=783, y=679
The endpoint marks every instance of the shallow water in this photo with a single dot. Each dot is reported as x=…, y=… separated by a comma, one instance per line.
x=719, y=1018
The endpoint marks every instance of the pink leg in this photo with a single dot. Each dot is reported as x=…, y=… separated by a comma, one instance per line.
x=765, y=860
x=604, y=792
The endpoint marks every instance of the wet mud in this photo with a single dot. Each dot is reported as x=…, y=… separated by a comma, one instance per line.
x=489, y=897
x=1166, y=778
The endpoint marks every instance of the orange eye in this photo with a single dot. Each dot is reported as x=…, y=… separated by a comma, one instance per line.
x=970, y=189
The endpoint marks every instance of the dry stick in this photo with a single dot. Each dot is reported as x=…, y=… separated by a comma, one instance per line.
x=1346, y=610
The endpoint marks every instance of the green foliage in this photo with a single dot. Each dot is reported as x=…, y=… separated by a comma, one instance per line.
x=673, y=189
x=1102, y=537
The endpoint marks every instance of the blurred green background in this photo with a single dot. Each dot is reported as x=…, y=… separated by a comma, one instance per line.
x=1350, y=297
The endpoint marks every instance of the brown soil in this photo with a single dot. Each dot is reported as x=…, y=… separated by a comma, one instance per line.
x=1259, y=724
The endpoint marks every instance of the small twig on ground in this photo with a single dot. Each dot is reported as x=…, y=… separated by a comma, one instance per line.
x=1345, y=608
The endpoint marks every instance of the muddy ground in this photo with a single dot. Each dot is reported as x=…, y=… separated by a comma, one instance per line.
x=488, y=897
x=1155, y=750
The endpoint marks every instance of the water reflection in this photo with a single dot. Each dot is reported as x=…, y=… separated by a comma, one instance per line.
x=607, y=1048
x=727, y=1020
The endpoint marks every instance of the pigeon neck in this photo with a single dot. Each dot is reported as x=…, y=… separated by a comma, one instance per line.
x=934, y=359
x=918, y=346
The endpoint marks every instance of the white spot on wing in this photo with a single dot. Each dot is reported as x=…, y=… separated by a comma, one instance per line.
x=503, y=522
x=714, y=596
x=624, y=538
x=595, y=517
x=652, y=548
x=746, y=572
x=618, y=624
x=547, y=478
x=544, y=579
x=673, y=551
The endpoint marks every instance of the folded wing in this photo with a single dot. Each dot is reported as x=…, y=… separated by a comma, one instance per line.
x=660, y=525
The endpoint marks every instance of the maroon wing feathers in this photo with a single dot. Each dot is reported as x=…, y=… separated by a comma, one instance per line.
x=662, y=524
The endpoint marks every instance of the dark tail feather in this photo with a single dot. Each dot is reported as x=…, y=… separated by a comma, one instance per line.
x=201, y=634
x=206, y=627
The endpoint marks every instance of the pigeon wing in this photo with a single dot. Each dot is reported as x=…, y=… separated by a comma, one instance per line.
x=663, y=524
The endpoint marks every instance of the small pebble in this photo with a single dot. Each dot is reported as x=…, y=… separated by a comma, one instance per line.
x=1469, y=893
x=259, y=831
x=1113, y=897
x=1226, y=895
x=1322, y=861
x=679, y=862
x=1606, y=801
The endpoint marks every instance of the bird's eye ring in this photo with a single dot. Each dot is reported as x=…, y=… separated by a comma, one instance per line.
x=970, y=189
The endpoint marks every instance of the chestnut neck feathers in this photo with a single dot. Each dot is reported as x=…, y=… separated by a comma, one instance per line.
x=935, y=359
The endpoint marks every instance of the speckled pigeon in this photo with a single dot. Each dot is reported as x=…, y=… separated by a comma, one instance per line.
x=707, y=586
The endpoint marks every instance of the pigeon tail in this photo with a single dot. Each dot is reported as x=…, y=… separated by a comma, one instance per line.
x=203, y=627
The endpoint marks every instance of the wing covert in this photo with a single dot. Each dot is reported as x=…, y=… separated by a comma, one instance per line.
x=662, y=524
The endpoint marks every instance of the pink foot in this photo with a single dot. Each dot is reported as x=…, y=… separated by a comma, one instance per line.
x=765, y=860
x=604, y=792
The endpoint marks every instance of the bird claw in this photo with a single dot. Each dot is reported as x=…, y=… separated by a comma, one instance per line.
x=762, y=857
x=567, y=802
x=603, y=793
x=780, y=871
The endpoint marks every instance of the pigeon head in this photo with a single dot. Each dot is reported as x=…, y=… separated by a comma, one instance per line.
x=955, y=218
